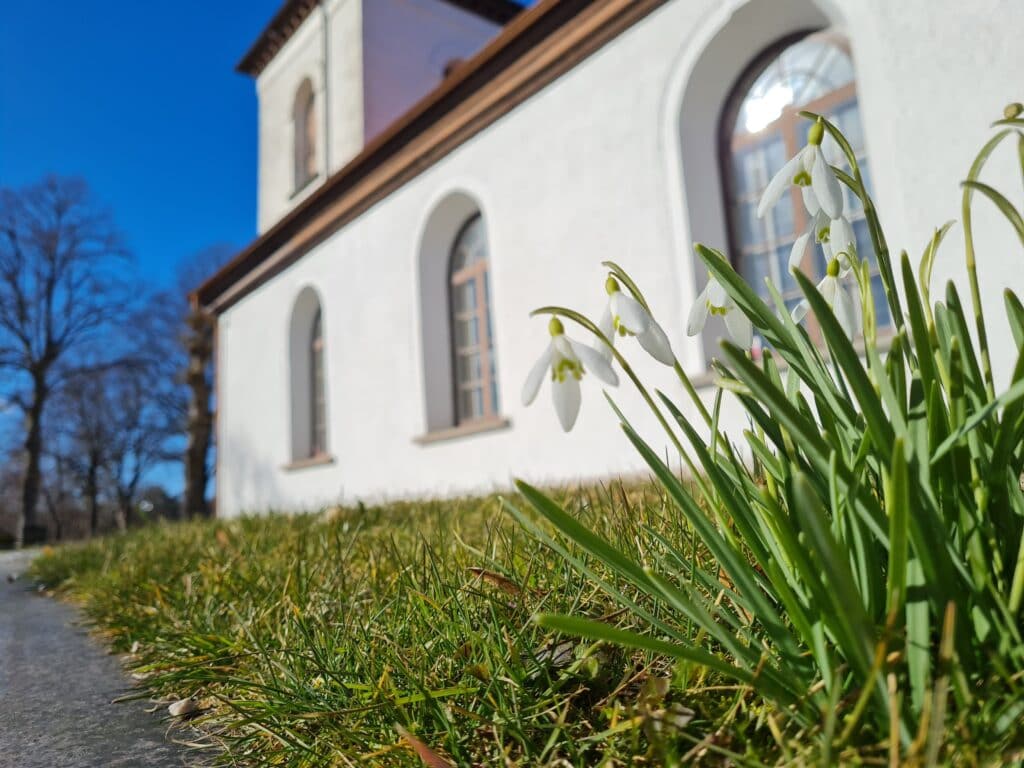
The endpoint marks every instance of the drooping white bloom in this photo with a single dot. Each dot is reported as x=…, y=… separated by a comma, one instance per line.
x=842, y=242
x=838, y=298
x=819, y=229
x=568, y=361
x=625, y=316
x=713, y=300
x=809, y=170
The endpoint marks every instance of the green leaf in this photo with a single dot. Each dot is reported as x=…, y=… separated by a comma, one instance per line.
x=849, y=361
x=897, y=503
x=846, y=612
x=918, y=323
x=1005, y=206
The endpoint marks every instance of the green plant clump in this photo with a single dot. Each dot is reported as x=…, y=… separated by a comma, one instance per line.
x=867, y=530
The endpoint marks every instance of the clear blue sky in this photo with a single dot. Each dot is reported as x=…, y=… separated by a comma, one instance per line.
x=142, y=100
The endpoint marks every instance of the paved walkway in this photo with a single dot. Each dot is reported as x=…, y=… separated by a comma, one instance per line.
x=57, y=687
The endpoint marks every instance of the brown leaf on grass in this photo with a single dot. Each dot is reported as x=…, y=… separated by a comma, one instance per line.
x=497, y=580
x=430, y=758
x=222, y=538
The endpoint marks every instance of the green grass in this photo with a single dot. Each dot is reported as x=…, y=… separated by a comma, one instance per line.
x=311, y=639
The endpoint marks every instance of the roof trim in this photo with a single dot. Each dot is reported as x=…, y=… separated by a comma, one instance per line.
x=519, y=62
x=290, y=16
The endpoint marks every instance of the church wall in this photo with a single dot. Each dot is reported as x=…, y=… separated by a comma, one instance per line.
x=589, y=169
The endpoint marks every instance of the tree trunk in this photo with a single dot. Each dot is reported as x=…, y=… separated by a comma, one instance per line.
x=200, y=418
x=92, y=494
x=33, y=447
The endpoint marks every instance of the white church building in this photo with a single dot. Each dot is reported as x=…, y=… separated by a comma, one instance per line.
x=430, y=171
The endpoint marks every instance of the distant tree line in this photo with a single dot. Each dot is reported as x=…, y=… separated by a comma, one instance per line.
x=103, y=377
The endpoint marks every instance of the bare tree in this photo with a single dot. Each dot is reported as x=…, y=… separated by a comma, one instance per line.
x=59, y=271
x=187, y=330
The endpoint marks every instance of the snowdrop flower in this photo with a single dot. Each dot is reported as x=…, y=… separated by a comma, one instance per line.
x=625, y=316
x=713, y=300
x=810, y=171
x=838, y=298
x=568, y=361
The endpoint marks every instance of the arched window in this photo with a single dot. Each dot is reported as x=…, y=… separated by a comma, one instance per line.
x=475, y=371
x=308, y=375
x=761, y=130
x=304, y=122
x=317, y=395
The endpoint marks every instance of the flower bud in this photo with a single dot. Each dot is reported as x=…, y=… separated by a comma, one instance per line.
x=816, y=133
x=611, y=285
x=555, y=327
x=1012, y=111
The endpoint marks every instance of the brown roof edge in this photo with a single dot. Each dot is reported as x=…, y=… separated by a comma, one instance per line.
x=291, y=15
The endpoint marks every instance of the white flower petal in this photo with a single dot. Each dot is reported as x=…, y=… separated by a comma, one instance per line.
x=656, y=342
x=846, y=311
x=594, y=362
x=536, y=376
x=840, y=236
x=563, y=347
x=810, y=201
x=807, y=156
x=826, y=186
x=740, y=329
x=698, y=314
x=800, y=310
x=778, y=185
x=566, y=396
x=796, y=255
x=631, y=313
x=827, y=288
x=716, y=295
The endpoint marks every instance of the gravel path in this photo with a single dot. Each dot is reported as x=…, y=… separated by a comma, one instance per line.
x=57, y=687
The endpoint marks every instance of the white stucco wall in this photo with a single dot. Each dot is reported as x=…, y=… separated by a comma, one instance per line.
x=594, y=168
x=406, y=44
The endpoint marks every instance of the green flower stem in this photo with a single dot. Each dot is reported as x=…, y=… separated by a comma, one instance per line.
x=972, y=265
x=1017, y=586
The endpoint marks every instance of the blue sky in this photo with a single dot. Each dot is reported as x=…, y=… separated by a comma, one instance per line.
x=142, y=100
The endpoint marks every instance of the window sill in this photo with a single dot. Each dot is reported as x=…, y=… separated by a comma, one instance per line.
x=304, y=186
x=463, y=430
x=319, y=460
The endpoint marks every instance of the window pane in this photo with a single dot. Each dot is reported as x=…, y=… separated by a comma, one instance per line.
x=787, y=282
x=775, y=157
x=465, y=296
x=467, y=333
x=882, y=316
x=746, y=174
x=756, y=268
x=751, y=227
x=783, y=220
x=862, y=237
x=468, y=368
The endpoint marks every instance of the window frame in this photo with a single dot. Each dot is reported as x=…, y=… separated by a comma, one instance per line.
x=787, y=126
x=317, y=389
x=305, y=167
x=479, y=271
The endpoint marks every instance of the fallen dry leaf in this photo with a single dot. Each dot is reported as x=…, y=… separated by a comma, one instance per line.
x=429, y=757
x=183, y=708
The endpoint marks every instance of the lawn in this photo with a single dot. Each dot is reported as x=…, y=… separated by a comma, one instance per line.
x=313, y=639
